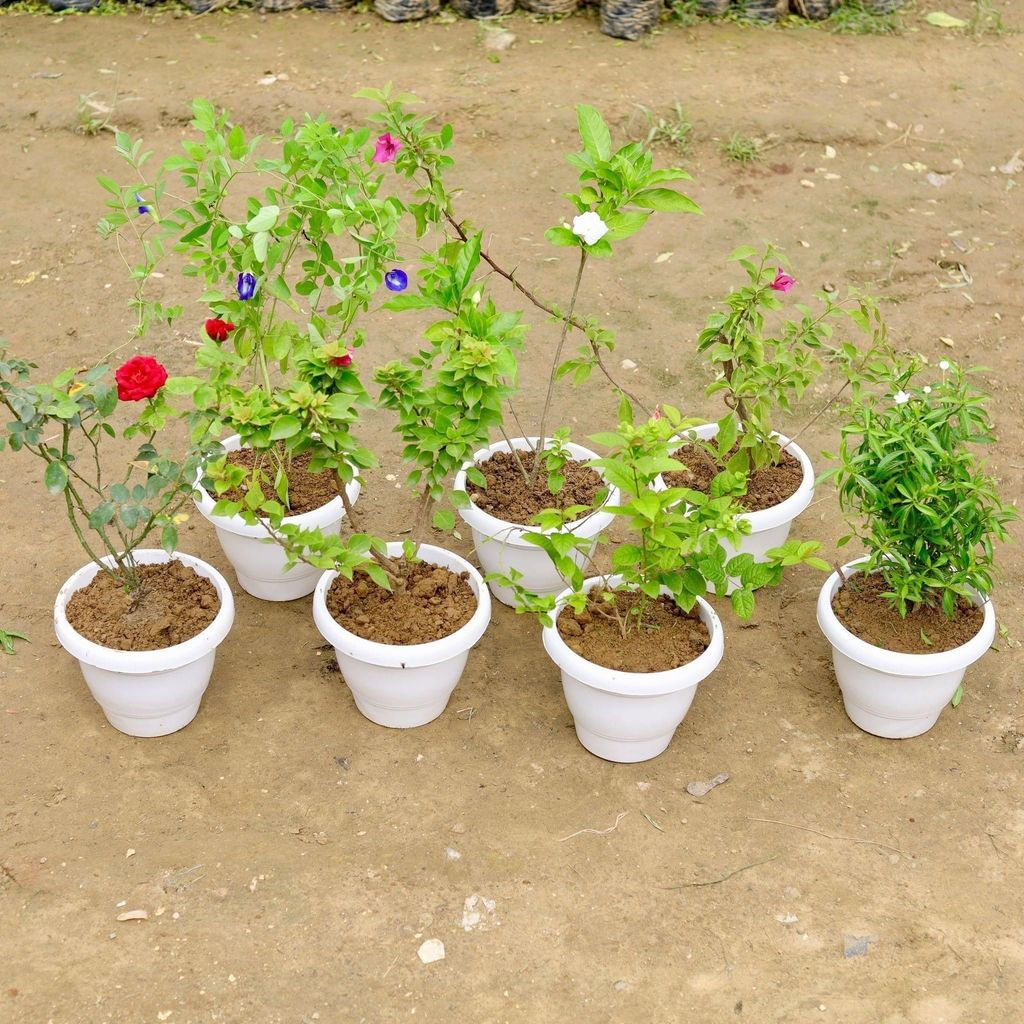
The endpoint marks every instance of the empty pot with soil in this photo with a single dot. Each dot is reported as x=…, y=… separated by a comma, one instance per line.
x=147, y=660
x=628, y=695
x=402, y=652
x=499, y=514
x=259, y=563
x=897, y=674
x=775, y=495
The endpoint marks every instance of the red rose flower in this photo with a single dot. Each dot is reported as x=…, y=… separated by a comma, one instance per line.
x=218, y=330
x=139, y=378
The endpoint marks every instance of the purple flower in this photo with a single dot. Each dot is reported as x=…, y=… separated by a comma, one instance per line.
x=396, y=280
x=246, y=286
x=143, y=208
x=783, y=282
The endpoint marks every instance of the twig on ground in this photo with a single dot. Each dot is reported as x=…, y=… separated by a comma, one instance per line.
x=825, y=835
x=597, y=831
x=718, y=881
x=652, y=821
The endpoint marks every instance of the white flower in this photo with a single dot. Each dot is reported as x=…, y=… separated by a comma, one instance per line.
x=943, y=364
x=900, y=398
x=589, y=227
x=927, y=390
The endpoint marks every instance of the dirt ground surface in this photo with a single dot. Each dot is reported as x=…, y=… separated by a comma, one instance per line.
x=292, y=857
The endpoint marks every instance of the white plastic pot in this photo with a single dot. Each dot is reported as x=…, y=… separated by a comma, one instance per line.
x=630, y=716
x=770, y=527
x=501, y=546
x=259, y=562
x=892, y=694
x=147, y=693
x=404, y=685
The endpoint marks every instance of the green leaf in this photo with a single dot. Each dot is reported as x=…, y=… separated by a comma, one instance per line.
x=55, y=477
x=743, y=603
x=666, y=199
x=285, y=426
x=169, y=538
x=597, y=140
x=561, y=236
x=264, y=220
x=958, y=696
x=444, y=519
x=260, y=244
x=940, y=19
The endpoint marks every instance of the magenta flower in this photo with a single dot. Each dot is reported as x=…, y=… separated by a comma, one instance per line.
x=783, y=282
x=386, y=148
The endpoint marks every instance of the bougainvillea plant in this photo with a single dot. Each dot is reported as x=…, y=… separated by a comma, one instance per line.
x=65, y=424
x=918, y=495
x=761, y=371
x=618, y=191
x=676, y=536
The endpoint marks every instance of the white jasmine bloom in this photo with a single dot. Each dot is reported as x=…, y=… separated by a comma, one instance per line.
x=589, y=227
x=927, y=390
x=900, y=398
x=943, y=364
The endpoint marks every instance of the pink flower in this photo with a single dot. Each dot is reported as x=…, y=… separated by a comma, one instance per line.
x=657, y=413
x=386, y=148
x=783, y=282
x=345, y=360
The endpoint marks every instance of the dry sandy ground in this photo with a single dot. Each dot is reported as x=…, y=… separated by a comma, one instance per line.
x=282, y=886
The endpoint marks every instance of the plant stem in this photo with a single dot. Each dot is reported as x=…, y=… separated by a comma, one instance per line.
x=555, y=363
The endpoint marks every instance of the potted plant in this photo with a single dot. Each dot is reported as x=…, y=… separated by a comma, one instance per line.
x=403, y=615
x=284, y=283
x=505, y=483
x=143, y=622
x=907, y=619
x=634, y=642
x=760, y=373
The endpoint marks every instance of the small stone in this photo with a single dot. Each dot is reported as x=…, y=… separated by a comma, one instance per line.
x=857, y=945
x=458, y=828
x=830, y=152
x=627, y=364
x=786, y=918
x=130, y=853
x=134, y=915
x=499, y=40
x=700, y=789
x=452, y=854
x=431, y=951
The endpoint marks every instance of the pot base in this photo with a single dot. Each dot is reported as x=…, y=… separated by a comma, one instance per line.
x=623, y=751
x=888, y=728
x=149, y=727
x=402, y=718
x=289, y=586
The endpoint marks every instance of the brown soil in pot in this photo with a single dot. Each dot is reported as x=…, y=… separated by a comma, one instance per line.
x=506, y=496
x=765, y=488
x=176, y=604
x=860, y=607
x=672, y=637
x=306, y=491
x=434, y=604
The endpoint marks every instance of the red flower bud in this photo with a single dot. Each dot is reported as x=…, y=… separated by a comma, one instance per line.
x=218, y=330
x=345, y=360
x=141, y=377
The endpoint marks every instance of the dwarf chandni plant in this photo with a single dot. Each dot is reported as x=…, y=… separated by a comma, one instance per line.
x=917, y=494
x=677, y=536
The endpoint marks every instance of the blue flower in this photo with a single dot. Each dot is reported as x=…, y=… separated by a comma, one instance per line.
x=396, y=280
x=246, y=286
x=143, y=208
